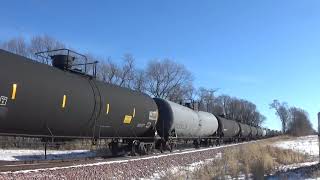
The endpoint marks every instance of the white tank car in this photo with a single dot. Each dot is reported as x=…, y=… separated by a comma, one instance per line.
x=175, y=119
x=208, y=124
x=264, y=132
x=185, y=120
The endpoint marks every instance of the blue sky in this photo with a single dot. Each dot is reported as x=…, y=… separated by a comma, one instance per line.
x=257, y=50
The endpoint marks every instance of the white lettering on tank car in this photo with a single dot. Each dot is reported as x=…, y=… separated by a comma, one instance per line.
x=181, y=126
x=3, y=100
x=148, y=124
x=153, y=115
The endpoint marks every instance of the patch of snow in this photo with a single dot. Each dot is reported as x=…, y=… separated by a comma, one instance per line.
x=196, y=165
x=297, y=165
x=40, y=153
x=292, y=171
x=305, y=144
x=25, y=154
x=183, y=170
x=118, y=161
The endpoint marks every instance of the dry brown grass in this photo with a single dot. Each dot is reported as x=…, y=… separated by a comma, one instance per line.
x=315, y=173
x=251, y=160
x=277, y=138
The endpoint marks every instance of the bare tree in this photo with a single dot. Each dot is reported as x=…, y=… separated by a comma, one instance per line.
x=139, y=81
x=282, y=111
x=17, y=46
x=299, y=124
x=164, y=79
x=182, y=92
x=36, y=44
x=43, y=43
x=126, y=73
x=223, y=102
x=206, y=99
x=108, y=71
x=167, y=79
x=238, y=109
x=122, y=75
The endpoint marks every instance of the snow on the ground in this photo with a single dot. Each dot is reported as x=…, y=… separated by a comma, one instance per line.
x=133, y=168
x=25, y=154
x=294, y=171
x=193, y=166
x=297, y=165
x=305, y=144
x=188, y=167
x=183, y=170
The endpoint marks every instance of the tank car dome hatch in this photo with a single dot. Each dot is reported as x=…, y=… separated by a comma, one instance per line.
x=68, y=60
x=62, y=61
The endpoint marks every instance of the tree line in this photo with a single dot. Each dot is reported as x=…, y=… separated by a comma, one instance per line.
x=162, y=78
x=295, y=121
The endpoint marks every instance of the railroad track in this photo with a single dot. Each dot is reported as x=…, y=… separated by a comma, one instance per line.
x=6, y=166
x=14, y=166
x=30, y=166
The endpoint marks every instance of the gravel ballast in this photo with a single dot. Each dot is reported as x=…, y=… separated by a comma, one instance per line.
x=144, y=167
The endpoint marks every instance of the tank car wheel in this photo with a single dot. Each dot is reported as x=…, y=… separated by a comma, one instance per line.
x=149, y=148
x=94, y=141
x=162, y=144
x=209, y=143
x=134, y=148
x=218, y=142
x=133, y=151
x=196, y=143
x=142, y=149
x=157, y=144
x=161, y=148
x=171, y=146
x=212, y=142
x=206, y=142
x=114, y=148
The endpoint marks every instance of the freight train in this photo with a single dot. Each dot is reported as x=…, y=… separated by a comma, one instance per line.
x=64, y=100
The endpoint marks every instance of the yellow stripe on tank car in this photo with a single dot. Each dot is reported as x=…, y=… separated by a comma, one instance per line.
x=14, y=91
x=134, y=112
x=127, y=119
x=64, y=101
x=108, y=108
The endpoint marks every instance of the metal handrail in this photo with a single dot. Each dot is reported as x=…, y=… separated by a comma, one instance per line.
x=46, y=55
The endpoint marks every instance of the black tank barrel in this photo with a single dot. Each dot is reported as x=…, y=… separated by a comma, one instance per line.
x=41, y=100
